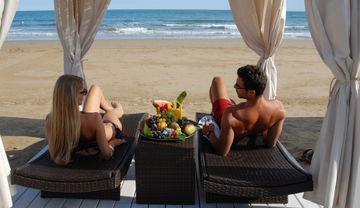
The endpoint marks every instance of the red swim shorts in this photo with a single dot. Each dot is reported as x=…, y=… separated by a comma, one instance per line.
x=218, y=108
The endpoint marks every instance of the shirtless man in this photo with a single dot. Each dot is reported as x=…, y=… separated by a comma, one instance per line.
x=253, y=117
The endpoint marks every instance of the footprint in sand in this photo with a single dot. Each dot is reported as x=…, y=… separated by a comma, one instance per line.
x=15, y=50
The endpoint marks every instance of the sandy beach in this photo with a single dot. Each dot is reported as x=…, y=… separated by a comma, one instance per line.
x=134, y=72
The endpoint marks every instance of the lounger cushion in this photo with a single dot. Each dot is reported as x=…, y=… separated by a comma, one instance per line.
x=82, y=168
x=256, y=167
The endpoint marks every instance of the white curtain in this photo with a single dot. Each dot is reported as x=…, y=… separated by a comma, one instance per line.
x=7, y=13
x=261, y=25
x=77, y=23
x=5, y=187
x=335, y=30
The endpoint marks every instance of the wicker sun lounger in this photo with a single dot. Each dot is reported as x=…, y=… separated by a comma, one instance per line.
x=260, y=175
x=86, y=176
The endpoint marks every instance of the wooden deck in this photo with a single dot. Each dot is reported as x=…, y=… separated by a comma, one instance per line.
x=28, y=197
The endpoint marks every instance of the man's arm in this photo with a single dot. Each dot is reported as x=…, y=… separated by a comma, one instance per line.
x=223, y=144
x=274, y=131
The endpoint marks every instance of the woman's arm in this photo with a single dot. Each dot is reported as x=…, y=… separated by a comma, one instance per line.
x=105, y=148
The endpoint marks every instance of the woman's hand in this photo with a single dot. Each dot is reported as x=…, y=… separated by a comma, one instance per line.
x=117, y=142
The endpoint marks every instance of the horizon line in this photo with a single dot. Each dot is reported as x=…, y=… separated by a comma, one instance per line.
x=151, y=9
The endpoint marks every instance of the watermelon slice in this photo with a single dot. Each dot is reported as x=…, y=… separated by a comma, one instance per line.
x=160, y=103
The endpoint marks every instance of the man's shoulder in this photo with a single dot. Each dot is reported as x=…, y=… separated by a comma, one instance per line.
x=275, y=102
x=278, y=109
x=235, y=113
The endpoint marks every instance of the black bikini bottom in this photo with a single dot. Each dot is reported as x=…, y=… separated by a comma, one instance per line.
x=118, y=132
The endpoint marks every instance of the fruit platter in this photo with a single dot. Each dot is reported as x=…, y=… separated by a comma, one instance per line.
x=168, y=124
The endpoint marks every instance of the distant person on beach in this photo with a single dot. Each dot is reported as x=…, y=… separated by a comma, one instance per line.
x=65, y=124
x=256, y=116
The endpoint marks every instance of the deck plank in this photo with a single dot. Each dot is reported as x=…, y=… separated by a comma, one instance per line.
x=27, y=197
x=106, y=204
x=260, y=205
x=306, y=203
x=225, y=205
x=276, y=205
x=55, y=203
x=73, y=203
x=39, y=202
x=241, y=205
x=293, y=202
x=156, y=205
x=174, y=206
x=89, y=203
x=127, y=189
x=19, y=191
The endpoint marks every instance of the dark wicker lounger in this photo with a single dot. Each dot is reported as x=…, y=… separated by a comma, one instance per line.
x=263, y=175
x=85, y=177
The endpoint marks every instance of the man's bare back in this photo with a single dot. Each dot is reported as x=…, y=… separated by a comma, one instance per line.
x=257, y=119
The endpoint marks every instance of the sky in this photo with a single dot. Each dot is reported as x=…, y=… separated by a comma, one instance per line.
x=31, y=5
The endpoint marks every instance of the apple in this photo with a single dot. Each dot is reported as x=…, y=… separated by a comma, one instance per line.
x=189, y=129
x=174, y=125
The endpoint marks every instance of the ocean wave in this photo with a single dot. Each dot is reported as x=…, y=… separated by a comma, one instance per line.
x=219, y=26
x=303, y=27
x=297, y=35
x=163, y=32
x=127, y=30
x=194, y=21
x=111, y=29
x=31, y=33
x=174, y=25
x=141, y=32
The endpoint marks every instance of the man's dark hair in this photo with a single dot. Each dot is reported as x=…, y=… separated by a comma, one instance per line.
x=253, y=78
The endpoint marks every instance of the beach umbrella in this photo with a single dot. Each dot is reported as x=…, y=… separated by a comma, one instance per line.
x=335, y=30
x=7, y=13
x=261, y=25
x=77, y=22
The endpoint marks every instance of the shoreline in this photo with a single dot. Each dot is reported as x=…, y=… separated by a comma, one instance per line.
x=160, y=39
x=135, y=71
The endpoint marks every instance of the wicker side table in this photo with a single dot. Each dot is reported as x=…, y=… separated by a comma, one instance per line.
x=165, y=172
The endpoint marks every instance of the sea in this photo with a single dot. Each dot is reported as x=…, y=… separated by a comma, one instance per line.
x=152, y=24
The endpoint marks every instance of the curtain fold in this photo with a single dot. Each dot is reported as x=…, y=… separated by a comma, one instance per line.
x=334, y=27
x=77, y=22
x=5, y=188
x=7, y=13
x=261, y=25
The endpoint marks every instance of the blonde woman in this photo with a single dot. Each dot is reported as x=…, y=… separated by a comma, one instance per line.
x=65, y=124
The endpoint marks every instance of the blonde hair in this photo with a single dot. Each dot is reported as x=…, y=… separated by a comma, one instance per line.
x=63, y=122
